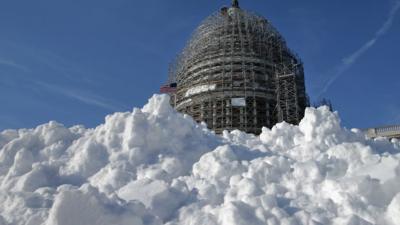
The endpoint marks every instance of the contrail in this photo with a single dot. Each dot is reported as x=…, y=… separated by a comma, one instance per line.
x=84, y=97
x=348, y=61
x=13, y=64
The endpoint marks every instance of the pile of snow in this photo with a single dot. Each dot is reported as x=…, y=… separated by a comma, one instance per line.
x=155, y=166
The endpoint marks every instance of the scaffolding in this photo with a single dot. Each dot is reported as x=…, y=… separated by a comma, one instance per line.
x=236, y=72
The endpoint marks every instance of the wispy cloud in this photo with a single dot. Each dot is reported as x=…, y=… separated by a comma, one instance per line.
x=349, y=60
x=11, y=63
x=65, y=70
x=45, y=59
x=82, y=96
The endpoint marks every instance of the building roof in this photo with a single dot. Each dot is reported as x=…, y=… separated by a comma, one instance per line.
x=387, y=131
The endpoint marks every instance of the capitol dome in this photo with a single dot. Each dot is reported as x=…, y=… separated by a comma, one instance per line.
x=237, y=72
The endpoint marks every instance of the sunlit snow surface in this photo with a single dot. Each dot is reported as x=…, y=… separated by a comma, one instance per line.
x=155, y=166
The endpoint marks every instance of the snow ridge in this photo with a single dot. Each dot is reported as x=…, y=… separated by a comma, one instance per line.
x=154, y=166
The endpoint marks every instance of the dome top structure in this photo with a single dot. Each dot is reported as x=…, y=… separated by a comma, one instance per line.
x=235, y=3
x=236, y=72
x=215, y=28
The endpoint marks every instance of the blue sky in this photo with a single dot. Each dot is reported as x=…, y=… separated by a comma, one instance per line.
x=77, y=61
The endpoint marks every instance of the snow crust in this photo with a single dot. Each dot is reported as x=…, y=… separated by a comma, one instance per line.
x=154, y=166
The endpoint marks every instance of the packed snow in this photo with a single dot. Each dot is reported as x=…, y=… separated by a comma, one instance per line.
x=154, y=166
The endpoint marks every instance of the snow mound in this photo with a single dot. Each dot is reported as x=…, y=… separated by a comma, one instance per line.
x=154, y=166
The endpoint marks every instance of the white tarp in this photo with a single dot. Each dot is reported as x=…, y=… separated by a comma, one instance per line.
x=200, y=89
x=240, y=102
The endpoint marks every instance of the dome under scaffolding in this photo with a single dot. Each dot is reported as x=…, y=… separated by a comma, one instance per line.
x=236, y=72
